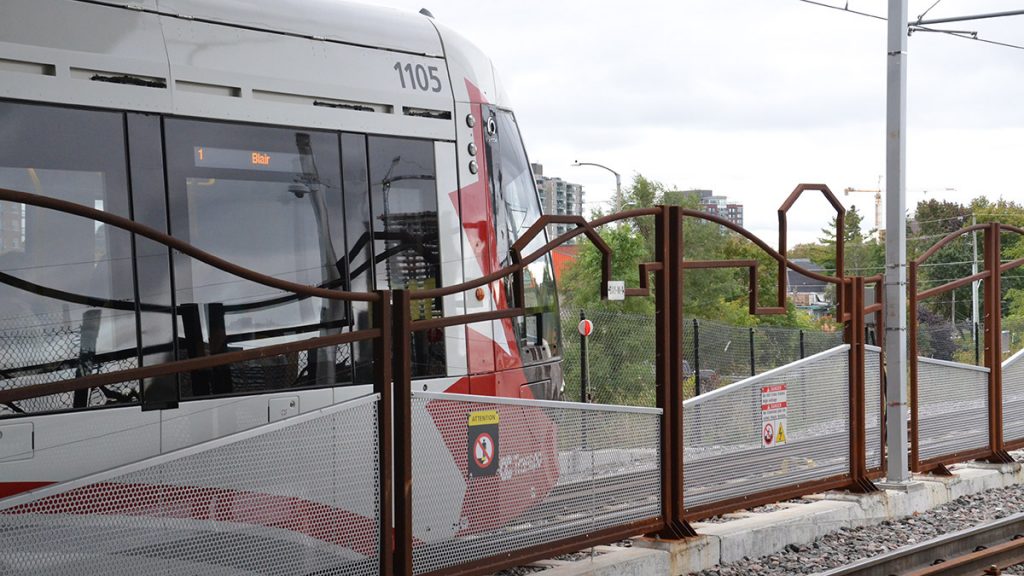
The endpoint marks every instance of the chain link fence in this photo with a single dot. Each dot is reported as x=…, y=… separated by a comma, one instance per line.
x=55, y=349
x=621, y=353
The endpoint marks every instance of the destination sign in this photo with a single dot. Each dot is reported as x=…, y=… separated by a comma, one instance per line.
x=207, y=157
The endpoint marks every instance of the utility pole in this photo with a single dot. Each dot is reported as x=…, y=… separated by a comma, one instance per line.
x=897, y=469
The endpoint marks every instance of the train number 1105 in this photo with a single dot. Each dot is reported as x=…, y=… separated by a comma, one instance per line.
x=419, y=77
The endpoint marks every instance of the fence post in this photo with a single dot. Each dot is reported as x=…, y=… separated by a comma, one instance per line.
x=994, y=344
x=401, y=354
x=801, y=344
x=696, y=357
x=855, y=336
x=669, y=367
x=977, y=346
x=584, y=362
x=753, y=371
x=912, y=332
x=382, y=376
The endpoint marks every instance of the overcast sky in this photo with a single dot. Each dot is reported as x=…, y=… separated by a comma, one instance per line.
x=751, y=97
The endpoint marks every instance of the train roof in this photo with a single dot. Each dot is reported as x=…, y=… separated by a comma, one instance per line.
x=313, y=63
x=335, y=20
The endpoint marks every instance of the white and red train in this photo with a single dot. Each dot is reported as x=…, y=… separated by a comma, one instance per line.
x=323, y=143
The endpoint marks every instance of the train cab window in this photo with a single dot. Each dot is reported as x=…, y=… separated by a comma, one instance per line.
x=405, y=229
x=516, y=208
x=66, y=282
x=270, y=200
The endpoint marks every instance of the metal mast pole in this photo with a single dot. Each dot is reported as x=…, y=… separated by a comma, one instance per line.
x=896, y=245
x=896, y=389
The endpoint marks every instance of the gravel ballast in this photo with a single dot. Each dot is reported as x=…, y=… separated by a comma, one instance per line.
x=847, y=545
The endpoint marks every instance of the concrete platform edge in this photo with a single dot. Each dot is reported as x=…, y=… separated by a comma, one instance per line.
x=753, y=535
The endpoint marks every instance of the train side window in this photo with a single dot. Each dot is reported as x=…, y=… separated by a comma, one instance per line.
x=267, y=199
x=66, y=291
x=359, y=237
x=407, y=250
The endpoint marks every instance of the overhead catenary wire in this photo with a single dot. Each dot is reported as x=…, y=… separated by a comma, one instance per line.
x=925, y=13
x=917, y=27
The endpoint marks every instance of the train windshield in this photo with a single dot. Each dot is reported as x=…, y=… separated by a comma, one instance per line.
x=516, y=208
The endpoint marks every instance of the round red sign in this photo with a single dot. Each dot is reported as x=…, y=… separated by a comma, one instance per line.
x=586, y=327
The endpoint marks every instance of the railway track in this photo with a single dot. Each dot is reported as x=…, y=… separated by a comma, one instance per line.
x=987, y=549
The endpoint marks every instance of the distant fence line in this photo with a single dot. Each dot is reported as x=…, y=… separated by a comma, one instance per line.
x=622, y=354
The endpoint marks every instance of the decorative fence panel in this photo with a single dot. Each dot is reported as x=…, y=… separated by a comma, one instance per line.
x=298, y=496
x=873, y=415
x=527, y=473
x=1013, y=399
x=952, y=409
x=785, y=427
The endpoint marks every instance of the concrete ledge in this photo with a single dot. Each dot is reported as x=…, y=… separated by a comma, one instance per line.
x=752, y=535
x=685, y=556
x=621, y=561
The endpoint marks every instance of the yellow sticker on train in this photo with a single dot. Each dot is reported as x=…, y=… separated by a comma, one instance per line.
x=483, y=417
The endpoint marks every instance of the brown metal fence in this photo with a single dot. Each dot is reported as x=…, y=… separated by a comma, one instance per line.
x=602, y=488
x=958, y=409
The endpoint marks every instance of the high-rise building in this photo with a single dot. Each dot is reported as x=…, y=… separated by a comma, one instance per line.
x=557, y=197
x=12, y=227
x=710, y=203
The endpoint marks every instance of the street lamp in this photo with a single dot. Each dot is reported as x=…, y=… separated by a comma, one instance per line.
x=618, y=181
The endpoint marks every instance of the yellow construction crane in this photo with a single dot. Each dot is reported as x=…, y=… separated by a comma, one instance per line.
x=878, y=206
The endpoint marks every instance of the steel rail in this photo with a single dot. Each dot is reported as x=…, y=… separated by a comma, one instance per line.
x=972, y=551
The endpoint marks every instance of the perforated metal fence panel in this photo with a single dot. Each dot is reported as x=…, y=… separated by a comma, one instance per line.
x=873, y=407
x=547, y=471
x=1013, y=397
x=728, y=453
x=952, y=408
x=299, y=496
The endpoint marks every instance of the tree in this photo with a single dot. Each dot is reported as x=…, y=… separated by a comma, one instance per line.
x=860, y=257
x=934, y=220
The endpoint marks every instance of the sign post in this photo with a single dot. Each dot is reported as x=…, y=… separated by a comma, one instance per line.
x=585, y=328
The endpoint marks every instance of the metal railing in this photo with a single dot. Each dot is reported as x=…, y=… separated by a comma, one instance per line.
x=959, y=411
x=804, y=440
x=596, y=474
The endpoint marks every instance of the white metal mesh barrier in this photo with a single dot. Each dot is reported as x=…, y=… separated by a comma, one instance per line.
x=498, y=475
x=784, y=427
x=298, y=496
x=952, y=407
x=1013, y=397
x=873, y=406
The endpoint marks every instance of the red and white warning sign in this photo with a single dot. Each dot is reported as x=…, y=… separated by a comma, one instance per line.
x=774, y=405
x=585, y=327
x=483, y=450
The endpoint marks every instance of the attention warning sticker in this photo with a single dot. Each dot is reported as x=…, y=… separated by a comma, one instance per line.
x=482, y=443
x=774, y=404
